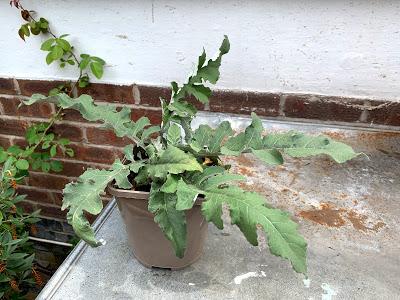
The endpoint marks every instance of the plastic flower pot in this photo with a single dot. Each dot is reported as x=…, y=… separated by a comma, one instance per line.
x=149, y=245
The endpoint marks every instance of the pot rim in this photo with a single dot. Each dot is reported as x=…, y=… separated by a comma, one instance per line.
x=137, y=195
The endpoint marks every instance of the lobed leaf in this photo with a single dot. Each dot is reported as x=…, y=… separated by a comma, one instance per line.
x=171, y=221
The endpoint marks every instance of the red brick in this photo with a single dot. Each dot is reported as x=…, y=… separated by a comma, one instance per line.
x=5, y=142
x=10, y=106
x=7, y=86
x=74, y=168
x=109, y=92
x=322, y=108
x=41, y=196
x=150, y=95
x=58, y=197
x=52, y=211
x=47, y=181
x=71, y=132
x=95, y=154
x=105, y=137
x=29, y=87
x=13, y=126
x=385, y=114
x=263, y=104
x=153, y=115
x=27, y=206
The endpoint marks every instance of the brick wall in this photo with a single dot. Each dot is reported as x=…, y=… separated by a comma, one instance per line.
x=95, y=147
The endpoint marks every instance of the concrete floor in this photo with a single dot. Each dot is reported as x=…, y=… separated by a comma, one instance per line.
x=348, y=213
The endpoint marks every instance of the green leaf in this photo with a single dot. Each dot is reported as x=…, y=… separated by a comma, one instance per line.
x=97, y=69
x=57, y=52
x=22, y=164
x=225, y=46
x=53, y=150
x=128, y=152
x=269, y=156
x=171, y=221
x=70, y=152
x=49, y=58
x=205, y=139
x=64, y=44
x=186, y=195
x=25, y=29
x=122, y=177
x=46, y=46
x=46, y=166
x=200, y=92
x=174, y=134
x=250, y=139
x=119, y=120
x=247, y=210
x=173, y=161
x=170, y=185
x=56, y=166
x=84, y=195
x=3, y=155
x=84, y=63
x=98, y=60
x=182, y=108
x=300, y=145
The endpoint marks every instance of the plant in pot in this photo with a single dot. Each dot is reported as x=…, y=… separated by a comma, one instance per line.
x=171, y=180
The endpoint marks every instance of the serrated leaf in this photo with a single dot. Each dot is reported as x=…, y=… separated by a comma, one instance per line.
x=119, y=120
x=171, y=221
x=247, y=210
x=202, y=59
x=182, y=108
x=200, y=92
x=172, y=161
x=128, y=152
x=269, y=156
x=205, y=139
x=174, y=134
x=170, y=184
x=84, y=195
x=186, y=195
x=121, y=178
x=301, y=145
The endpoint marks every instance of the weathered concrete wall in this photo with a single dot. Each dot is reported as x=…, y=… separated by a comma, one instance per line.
x=343, y=48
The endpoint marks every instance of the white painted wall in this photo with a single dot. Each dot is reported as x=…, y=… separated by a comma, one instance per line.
x=329, y=47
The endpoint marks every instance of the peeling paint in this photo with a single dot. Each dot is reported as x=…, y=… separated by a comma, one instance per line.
x=240, y=278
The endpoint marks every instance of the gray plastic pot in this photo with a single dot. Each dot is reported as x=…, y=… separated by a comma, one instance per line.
x=148, y=242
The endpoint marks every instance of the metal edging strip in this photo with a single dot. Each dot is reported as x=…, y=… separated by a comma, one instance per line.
x=65, y=268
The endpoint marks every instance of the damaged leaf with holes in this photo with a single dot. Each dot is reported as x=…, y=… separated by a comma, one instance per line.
x=180, y=164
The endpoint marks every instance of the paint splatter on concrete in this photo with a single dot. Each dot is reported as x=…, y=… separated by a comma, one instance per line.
x=307, y=282
x=240, y=278
x=328, y=292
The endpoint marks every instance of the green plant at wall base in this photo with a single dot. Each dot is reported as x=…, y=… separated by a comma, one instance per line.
x=176, y=165
x=17, y=272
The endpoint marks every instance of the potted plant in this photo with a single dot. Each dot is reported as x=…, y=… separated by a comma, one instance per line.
x=171, y=179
